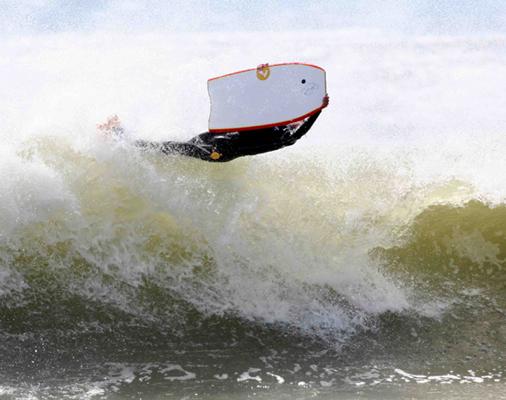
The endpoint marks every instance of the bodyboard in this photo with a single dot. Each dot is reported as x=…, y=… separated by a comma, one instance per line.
x=274, y=95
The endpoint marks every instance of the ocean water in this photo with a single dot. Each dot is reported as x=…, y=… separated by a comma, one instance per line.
x=366, y=261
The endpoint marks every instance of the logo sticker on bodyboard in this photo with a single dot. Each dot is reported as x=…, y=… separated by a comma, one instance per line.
x=263, y=72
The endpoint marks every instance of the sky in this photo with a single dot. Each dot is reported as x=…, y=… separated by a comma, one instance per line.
x=415, y=16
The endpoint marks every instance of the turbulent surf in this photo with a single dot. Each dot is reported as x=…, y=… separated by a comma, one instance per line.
x=349, y=261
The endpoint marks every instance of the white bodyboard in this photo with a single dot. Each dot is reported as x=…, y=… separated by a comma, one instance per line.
x=279, y=94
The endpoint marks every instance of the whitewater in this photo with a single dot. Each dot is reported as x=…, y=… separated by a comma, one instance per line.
x=368, y=259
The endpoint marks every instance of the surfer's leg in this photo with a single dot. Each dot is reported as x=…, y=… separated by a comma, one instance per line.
x=206, y=146
x=193, y=148
x=185, y=148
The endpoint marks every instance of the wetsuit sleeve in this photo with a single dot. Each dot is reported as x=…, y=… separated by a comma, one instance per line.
x=302, y=130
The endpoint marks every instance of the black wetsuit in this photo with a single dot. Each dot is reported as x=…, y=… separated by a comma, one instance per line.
x=220, y=147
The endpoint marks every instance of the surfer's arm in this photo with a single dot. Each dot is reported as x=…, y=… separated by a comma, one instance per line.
x=306, y=125
x=301, y=130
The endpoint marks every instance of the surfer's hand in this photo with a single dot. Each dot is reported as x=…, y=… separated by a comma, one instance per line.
x=325, y=101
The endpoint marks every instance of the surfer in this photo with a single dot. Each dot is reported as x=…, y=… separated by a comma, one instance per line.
x=225, y=146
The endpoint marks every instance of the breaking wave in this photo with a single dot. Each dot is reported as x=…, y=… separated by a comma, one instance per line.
x=370, y=254
x=93, y=236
